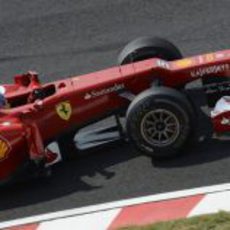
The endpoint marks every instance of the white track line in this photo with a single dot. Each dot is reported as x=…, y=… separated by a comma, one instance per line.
x=116, y=204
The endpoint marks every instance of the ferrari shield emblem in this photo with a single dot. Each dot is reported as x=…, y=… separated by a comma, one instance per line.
x=4, y=149
x=64, y=110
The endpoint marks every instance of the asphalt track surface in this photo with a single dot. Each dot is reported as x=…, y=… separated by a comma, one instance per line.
x=60, y=38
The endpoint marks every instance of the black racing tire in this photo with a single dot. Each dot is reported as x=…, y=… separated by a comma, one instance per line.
x=165, y=108
x=148, y=47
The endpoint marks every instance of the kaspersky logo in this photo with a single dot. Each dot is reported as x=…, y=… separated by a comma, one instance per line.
x=4, y=148
x=97, y=93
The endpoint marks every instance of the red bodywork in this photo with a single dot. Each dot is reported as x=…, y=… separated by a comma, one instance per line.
x=76, y=101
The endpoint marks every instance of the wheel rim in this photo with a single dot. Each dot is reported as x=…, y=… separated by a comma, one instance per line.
x=160, y=127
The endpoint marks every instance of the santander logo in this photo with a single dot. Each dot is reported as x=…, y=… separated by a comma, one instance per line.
x=102, y=92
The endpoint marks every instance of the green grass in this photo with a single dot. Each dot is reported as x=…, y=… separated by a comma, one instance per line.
x=219, y=221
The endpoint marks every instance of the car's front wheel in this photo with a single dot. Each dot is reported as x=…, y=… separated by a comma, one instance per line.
x=159, y=122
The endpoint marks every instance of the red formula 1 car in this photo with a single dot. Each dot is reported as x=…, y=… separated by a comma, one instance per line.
x=149, y=88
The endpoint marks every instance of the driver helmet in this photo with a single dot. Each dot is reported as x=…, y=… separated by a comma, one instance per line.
x=2, y=97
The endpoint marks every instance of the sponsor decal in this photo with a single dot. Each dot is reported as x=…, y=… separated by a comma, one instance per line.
x=4, y=148
x=163, y=64
x=102, y=92
x=184, y=63
x=200, y=59
x=209, y=57
x=64, y=110
x=200, y=72
x=220, y=55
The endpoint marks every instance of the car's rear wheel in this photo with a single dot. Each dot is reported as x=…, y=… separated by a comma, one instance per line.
x=148, y=47
x=159, y=122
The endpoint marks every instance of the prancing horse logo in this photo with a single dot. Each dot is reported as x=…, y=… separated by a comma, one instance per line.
x=4, y=148
x=64, y=110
